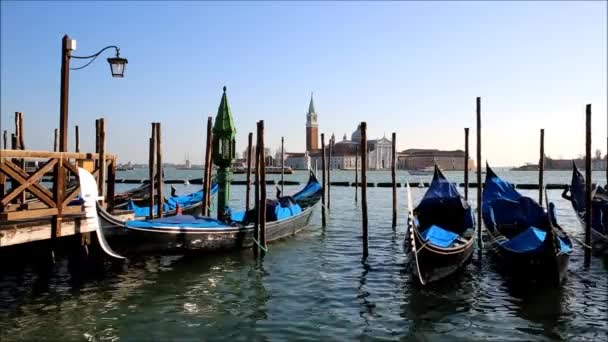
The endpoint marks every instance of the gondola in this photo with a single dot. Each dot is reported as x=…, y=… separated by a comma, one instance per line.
x=441, y=231
x=197, y=233
x=599, y=209
x=115, y=222
x=526, y=238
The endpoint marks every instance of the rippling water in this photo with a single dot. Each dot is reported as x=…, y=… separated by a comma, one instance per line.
x=314, y=286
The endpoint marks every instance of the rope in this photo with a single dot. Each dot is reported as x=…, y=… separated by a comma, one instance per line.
x=582, y=243
x=258, y=243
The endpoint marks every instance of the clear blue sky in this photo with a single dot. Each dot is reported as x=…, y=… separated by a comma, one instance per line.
x=413, y=68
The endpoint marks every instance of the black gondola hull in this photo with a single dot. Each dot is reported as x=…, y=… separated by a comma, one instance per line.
x=432, y=263
x=209, y=240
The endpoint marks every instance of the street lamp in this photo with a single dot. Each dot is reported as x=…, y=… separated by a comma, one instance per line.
x=117, y=67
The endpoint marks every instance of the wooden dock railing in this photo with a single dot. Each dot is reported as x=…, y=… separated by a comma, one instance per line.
x=42, y=202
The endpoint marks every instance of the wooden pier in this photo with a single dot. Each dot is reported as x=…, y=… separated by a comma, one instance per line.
x=29, y=211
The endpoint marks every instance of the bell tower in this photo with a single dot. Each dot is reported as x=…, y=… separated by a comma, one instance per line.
x=312, y=128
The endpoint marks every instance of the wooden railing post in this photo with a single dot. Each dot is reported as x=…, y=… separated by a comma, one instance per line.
x=101, y=183
x=77, y=137
x=56, y=141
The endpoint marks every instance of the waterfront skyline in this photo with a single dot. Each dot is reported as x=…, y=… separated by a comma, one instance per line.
x=412, y=68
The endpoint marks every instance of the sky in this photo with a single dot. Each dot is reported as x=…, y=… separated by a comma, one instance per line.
x=414, y=68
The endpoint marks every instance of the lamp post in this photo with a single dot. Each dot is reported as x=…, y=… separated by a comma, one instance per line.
x=223, y=155
x=117, y=67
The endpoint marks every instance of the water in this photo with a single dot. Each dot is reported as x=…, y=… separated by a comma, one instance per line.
x=314, y=286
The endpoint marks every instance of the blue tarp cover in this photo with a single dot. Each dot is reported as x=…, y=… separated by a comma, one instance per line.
x=526, y=241
x=171, y=202
x=438, y=236
x=530, y=240
x=443, y=206
x=502, y=204
x=311, y=188
x=237, y=216
x=179, y=221
x=282, y=212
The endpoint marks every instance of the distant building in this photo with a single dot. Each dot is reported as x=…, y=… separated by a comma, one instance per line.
x=416, y=159
x=298, y=161
x=346, y=151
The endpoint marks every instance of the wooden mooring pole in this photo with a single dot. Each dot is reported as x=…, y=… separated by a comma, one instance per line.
x=330, y=148
x=5, y=138
x=394, y=178
x=20, y=134
x=541, y=167
x=282, y=164
x=356, y=173
x=466, y=164
x=588, y=186
x=323, y=221
x=248, y=189
x=256, y=227
x=159, y=171
x=208, y=168
x=151, y=158
x=56, y=141
x=479, y=223
x=262, y=167
x=364, y=186
x=77, y=137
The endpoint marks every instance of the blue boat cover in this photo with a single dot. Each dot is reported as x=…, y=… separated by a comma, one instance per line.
x=288, y=211
x=311, y=188
x=530, y=240
x=237, y=216
x=502, y=204
x=443, y=206
x=438, y=236
x=171, y=202
x=179, y=221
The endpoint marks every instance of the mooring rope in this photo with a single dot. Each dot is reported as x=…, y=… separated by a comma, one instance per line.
x=581, y=242
x=258, y=243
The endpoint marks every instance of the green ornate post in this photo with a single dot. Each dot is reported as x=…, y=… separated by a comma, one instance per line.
x=223, y=154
